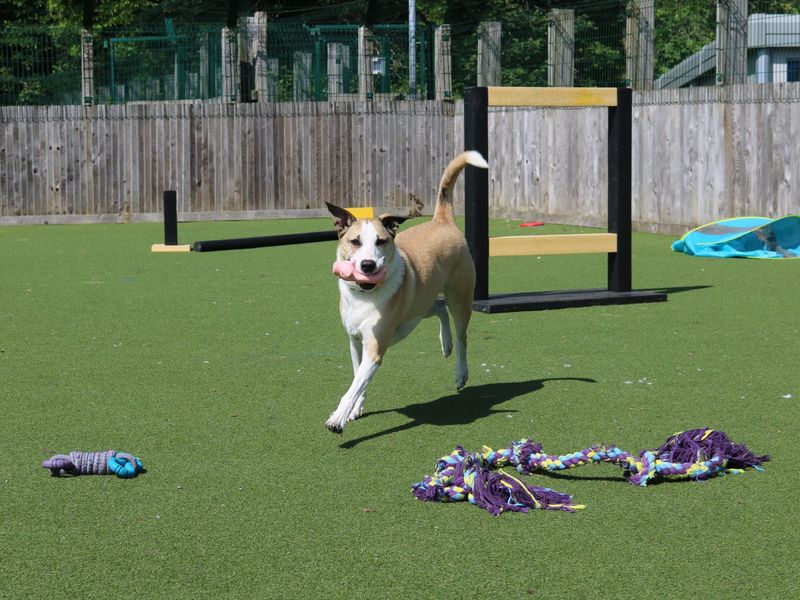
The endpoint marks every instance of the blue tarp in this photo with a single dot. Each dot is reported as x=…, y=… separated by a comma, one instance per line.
x=745, y=237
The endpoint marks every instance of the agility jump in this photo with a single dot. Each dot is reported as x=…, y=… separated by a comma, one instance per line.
x=616, y=243
x=171, y=234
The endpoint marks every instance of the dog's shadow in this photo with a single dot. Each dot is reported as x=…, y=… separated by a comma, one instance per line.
x=462, y=408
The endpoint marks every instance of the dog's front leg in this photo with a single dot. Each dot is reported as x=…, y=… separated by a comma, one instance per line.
x=370, y=362
x=356, y=353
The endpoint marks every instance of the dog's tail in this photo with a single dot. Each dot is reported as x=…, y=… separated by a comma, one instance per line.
x=443, y=212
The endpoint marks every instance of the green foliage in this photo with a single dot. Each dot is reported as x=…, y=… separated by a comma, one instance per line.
x=681, y=30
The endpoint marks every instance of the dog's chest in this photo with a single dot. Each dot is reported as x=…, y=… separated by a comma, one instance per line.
x=358, y=311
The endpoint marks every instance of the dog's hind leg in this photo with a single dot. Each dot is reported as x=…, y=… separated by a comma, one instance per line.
x=439, y=310
x=459, y=301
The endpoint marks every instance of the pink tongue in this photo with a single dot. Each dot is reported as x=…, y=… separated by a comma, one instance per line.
x=347, y=270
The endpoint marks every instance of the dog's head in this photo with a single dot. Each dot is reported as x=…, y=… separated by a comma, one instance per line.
x=366, y=244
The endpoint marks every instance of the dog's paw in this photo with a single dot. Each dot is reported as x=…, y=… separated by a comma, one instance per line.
x=461, y=380
x=334, y=425
x=447, y=348
x=355, y=413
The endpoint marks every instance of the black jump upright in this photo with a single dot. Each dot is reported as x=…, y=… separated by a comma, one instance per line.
x=476, y=181
x=170, y=218
x=246, y=243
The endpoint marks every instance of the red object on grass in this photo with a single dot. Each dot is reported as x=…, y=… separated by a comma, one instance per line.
x=532, y=224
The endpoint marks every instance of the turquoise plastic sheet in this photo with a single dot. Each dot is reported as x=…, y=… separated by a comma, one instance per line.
x=744, y=237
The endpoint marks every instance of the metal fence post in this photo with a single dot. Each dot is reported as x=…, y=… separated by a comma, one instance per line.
x=338, y=61
x=301, y=71
x=262, y=68
x=561, y=48
x=366, y=54
x=640, y=43
x=443, y=63
x=87, y=67
x=489, y=65
x=731, y=41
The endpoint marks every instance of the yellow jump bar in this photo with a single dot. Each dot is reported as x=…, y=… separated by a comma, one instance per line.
x=362, y=212
x=552, y=96
x=538, y=245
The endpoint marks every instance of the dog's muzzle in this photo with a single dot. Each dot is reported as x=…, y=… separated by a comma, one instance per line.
x=367, y=277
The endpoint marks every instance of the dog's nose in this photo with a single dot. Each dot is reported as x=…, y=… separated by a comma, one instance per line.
x=368, y=266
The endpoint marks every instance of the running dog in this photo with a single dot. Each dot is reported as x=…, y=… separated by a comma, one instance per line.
x=390, y=281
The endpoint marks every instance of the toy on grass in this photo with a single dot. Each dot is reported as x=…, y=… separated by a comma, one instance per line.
x=479, y=478
x=107, y=462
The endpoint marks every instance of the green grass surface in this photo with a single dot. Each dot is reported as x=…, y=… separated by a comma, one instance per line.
x=219, y=370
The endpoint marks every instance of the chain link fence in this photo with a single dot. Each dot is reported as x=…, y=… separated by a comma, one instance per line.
x=637, y=43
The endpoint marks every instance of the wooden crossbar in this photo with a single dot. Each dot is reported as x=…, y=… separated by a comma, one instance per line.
x=538, y=245
x=170, y=248
x=552, y=96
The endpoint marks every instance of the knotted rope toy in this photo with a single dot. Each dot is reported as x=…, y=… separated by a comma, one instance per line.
x=697, y=454
x=107, y=462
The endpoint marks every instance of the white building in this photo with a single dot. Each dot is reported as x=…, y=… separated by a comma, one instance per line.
x=773, y=55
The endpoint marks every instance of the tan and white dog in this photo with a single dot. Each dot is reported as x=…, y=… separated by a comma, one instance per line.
x=390, y=281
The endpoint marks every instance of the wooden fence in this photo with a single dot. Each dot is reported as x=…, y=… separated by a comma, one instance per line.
x=74, y=164
x=699, y=154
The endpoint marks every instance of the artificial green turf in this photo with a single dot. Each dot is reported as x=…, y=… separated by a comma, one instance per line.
x=218, y=371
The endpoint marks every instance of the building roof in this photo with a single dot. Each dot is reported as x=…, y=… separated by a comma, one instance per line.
x=763, y=31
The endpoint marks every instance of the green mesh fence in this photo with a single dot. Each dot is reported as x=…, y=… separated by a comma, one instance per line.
x=161, y=63
x=172, y=61
x=326, y=62
x=40, y=65
x=636, y=43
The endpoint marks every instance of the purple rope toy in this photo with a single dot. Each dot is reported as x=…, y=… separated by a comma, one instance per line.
x=697, y=454
x=107, y=462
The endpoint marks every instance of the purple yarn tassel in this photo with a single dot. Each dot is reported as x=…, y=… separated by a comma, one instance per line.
x=703, y=444
x=497, y=492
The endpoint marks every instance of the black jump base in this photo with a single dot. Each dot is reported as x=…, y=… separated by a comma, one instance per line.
x=500, y=303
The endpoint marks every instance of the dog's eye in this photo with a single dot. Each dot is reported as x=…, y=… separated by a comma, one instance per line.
x=380, y=241
x=355, y=242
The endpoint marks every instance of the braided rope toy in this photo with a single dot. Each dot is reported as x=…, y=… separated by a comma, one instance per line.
x=697, y=454
x=106, y=462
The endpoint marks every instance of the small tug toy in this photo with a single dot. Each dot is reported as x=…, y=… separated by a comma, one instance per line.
x=478, y=478
x=347, y=270
x=108, y=462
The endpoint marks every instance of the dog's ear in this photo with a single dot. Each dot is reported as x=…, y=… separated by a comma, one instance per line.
x=341, y=218
x=392, y=222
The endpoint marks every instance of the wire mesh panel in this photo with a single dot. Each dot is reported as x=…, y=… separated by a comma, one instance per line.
x=642, y=44
x=330, y=62
x=160, y=63
x=40, y=65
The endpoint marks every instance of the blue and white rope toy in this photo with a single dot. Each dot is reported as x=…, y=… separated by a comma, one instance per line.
x=108, y=462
